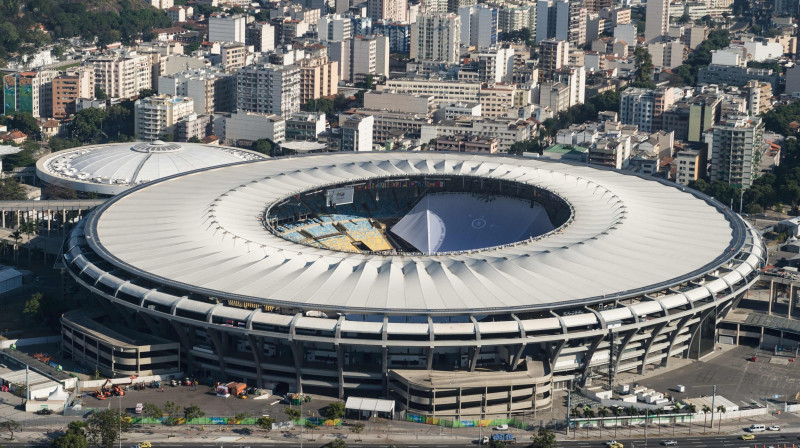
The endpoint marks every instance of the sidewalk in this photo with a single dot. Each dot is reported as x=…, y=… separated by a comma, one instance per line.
x=416, y=434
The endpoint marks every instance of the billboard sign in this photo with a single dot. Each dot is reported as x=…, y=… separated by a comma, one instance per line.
x=339, y=196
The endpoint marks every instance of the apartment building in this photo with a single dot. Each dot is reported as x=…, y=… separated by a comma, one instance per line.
x=507, y=131
x=30, y=92
x=155, y=117
x=261, y=35
x=689, y=166
x=67, y=88
x=736, y=145
x=242, y=128
x=193, y=126
x=444, y=92
x=393, y=10
x=636, y=107
x=224, y=27
x=436, y=37
x=319, y=78
x=268, y=89
x=122, y=74
x=478, y=25
x=211, y=90
x=357, y=133
x=305, y=126
x=553, y=55
x=463, y=143
x=759, y=97
x=335, y=27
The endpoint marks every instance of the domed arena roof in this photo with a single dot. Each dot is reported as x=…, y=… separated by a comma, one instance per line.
x=113, y=168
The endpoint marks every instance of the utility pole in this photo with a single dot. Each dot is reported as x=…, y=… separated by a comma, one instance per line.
x=713, y=400
x=569, y=406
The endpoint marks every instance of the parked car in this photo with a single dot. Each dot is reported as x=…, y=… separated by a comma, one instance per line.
x=501, y=428
x=774, y=428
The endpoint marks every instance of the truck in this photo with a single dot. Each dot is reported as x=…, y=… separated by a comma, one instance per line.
x=505, y=437
x=139, y=408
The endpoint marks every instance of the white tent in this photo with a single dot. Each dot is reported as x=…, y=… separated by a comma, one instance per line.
x=370, y=407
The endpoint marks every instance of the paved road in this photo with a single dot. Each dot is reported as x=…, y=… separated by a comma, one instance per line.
x=768, y=439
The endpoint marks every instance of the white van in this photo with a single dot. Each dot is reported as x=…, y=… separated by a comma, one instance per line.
x=757, y=428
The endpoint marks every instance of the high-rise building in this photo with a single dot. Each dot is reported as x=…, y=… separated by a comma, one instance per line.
x=233, y=56
x=261, y=35
x=656, y=20
x=211, y=91
x=436, y=37
x=122, y=74
x=369, y=56
x=594, y=6
x=155, y=116
x=161, y=4
x=552, y=19
x=478, y=26
x=268, y=89
x=759, y=97
x=224, y=27
x=576, y=34
x=357, y=133
x=319, y=77
x=690, y=165
x=636, y=107
x=514, y=18
x=399, y=35
x=736, y=145
x=67, y=88
x=575, y=79
x=553, y=55
x=335, y=27
x=393, y=10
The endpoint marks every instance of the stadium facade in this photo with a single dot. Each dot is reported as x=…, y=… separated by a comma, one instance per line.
x=263, y=275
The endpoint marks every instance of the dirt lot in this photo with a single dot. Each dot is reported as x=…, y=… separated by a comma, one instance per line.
x=207, y=400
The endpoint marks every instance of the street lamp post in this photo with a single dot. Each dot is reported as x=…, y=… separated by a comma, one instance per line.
x=480, y=421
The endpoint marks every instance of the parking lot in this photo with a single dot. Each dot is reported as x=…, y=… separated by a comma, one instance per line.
x=207, y=400
x=737, y=378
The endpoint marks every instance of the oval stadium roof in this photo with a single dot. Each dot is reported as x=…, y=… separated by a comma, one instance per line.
x=203, y=232
x=114, y=168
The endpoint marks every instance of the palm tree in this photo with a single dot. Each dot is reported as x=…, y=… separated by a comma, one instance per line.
x=705, y=410
x=588, y=413
x=631, y=411
x=17, y=236
x=602, y=411
x=615, y=411
x=658, y=413
x=691, y=409
x=722, y=410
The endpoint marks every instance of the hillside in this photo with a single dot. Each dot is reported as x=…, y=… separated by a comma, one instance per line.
x=26, y=25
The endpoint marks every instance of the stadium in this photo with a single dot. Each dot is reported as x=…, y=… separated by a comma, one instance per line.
x=459, y=285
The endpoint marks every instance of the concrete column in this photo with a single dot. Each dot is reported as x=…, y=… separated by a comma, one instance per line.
x=49, y=218
x=791, y=299
x=738, y=329
x=771, y=292
x=4, y=218
x=19, y=217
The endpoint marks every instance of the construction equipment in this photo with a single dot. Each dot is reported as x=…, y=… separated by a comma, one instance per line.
x=116, y=390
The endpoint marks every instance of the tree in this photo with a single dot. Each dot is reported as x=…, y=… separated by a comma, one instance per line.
x=55, y=191
x=691, y=409
x=705, y=410
x=263, y=146
x=544, y=439
x=99, y=93
x=33, y=305
x=192, y=412
x=496, y=444
x=644, y=67
x=144, y=93
x=311, y=426
x=11, y=190
x=71, y=440
x=265, y=423
x=23, y=121
x=194, y=140
x=152, y=411
x=334, y=410
x=322, y=105
x=722, y=410
x=356, y=428
x=602, y=411
x=104, y=428
x=172, y=411
x=292, y=413
x=241, y=416
x=335, y=443
x=19, y=160
x=87, y=125
x=9, y=426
